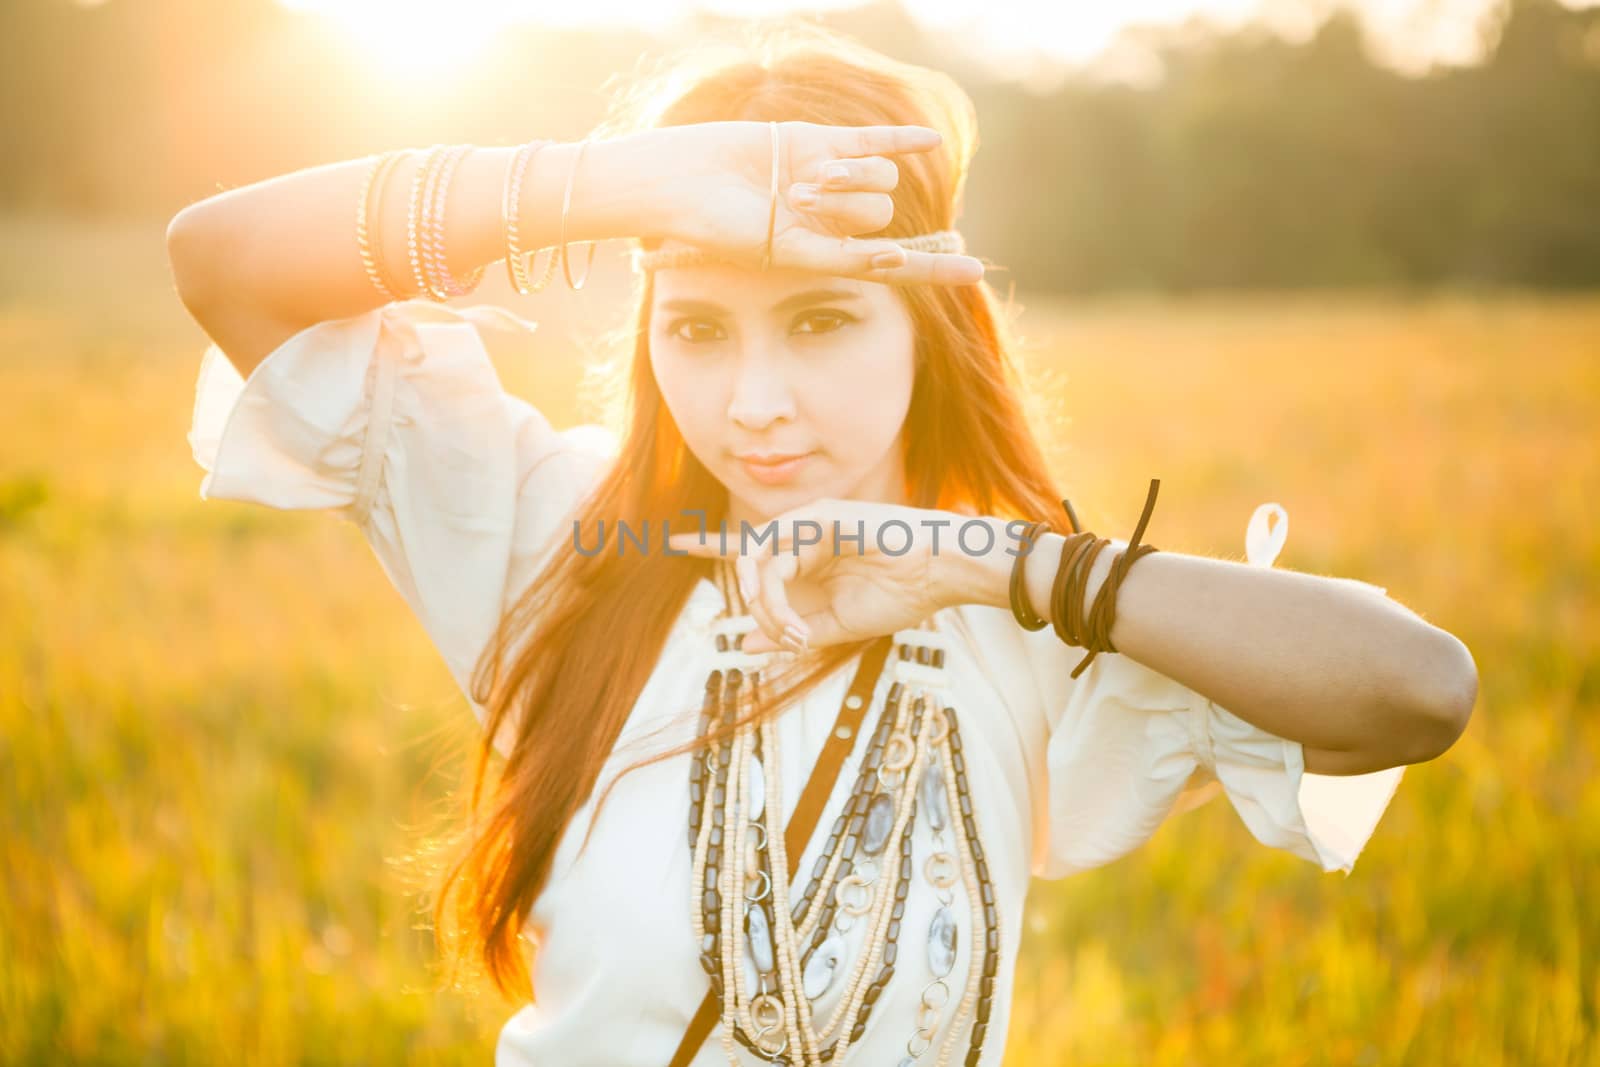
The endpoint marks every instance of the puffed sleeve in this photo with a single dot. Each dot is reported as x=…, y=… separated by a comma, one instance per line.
x=395, y=420
x=1126, y=746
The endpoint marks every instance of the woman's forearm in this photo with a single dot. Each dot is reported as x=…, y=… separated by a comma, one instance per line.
x=286, y=246
x=1361, y=681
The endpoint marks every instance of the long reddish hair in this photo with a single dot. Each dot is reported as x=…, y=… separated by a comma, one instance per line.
x=569, y=659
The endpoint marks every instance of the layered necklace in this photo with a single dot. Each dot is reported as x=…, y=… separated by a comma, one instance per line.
x=750, y=927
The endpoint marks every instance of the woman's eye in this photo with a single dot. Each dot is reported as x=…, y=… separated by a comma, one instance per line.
x=838, y=318
x=673, y=330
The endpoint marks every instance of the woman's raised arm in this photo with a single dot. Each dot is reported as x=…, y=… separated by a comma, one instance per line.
x=257, y=264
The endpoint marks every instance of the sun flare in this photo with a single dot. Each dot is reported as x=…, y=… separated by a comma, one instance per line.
x=414, y=36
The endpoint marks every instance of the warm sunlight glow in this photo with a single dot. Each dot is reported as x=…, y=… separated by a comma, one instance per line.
x=414, y=36
x=405, y=37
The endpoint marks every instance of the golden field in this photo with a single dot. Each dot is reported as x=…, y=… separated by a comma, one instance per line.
x=222, y=732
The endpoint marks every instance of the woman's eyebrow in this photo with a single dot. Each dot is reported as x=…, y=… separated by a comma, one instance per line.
x=788, y=303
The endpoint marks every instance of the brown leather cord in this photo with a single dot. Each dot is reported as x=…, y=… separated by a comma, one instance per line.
x=1066, y=596
x=1021, y=610
x=1067, y=622
x=808, y=810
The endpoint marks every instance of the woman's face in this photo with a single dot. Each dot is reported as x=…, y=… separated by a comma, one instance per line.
x=790, y=363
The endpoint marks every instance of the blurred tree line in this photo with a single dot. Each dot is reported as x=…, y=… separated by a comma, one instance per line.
x=1252, y=162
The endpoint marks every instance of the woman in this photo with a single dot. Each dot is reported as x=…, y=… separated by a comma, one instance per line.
x=810, y=350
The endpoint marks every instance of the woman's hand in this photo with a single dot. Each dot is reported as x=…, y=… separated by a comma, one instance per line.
x=715, y=192
x=836, y=570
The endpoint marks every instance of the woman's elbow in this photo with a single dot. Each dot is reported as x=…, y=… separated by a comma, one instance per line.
x=199, y=245
x=185, y=248
x=1444, y=707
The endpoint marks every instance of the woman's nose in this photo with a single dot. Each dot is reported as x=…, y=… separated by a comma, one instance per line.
x=761, y=394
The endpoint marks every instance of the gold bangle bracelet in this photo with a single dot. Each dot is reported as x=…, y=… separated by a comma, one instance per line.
x=380, y=192
x=421, y=183
x=368, y=241
x=510, y=215
x=432, y=227
x=436, y=264
x=566, y=206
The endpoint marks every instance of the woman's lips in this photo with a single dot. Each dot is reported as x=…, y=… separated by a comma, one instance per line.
x=775, y=473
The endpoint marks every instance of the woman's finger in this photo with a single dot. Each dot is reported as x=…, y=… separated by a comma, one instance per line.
x=843, y=212
x=825, y=628
x=852, y=257
x=871, y=174
x=932, y=268
x=775, y=573
x=811, y=250
x=744, y=572
x=758, y=641
x=882, y=140
x=748, y=571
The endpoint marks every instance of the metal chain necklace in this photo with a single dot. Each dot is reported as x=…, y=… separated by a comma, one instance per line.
x=795, y=950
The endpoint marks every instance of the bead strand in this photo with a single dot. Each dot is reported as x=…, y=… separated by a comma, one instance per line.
x=712, y=955
x=836, y=849
x=969, y=991
x=843, y=1016
x=764, y=870
x=732, y=969
x=902, y=821
x=980, y=895
x=791, y=986
x=699, y=824
x=711, y=878
x=725, y=988
x=860, y=975
x=709, y=835
x=991, y=913
x=738, y=875
x=891, y=947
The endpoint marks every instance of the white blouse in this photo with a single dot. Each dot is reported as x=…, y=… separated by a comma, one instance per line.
x=396, y=421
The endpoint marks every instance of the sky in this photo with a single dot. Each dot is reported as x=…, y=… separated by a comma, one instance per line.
x=1024, y=37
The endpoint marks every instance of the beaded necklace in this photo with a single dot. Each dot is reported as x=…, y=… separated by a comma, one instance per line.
x=743, y=917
